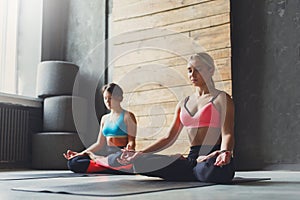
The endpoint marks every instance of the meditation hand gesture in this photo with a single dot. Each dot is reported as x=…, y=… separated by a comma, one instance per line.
x=72, y=154
x=222, y=158
x=128, y=156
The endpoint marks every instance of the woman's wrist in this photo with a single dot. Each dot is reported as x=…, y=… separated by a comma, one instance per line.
x=226, y=151
x=86, y=152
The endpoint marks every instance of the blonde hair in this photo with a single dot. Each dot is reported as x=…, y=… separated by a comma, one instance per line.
x=207, y=60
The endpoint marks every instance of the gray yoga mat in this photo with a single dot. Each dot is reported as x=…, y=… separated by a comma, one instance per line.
x=123, y=187
x=33, y=175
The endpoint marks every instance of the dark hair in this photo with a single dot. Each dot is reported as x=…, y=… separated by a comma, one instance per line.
x=114, y=89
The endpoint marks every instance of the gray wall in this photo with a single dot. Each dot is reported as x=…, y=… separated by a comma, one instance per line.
x=54, y=28
x=74, y=31
x=85, y=46
x=266, y=71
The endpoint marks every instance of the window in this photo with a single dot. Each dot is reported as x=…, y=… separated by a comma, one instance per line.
x=20, y=45
x=8, y=45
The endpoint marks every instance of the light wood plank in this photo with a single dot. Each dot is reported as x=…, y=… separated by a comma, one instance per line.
x=151, y=133
x=160, y=48
x=121, y=3
x=181, y=27
x=166, y=95
x=178, y=60
x=165, y=62
x=125, y=10
x=166, y=76
x=225, y=85
x=213, y=38
x=150, y=77
x=154, y=133
x=171, y=17
x=151, y=50
x=223, y=69
x=155, y=108
x=154, y=120
x=157, y=96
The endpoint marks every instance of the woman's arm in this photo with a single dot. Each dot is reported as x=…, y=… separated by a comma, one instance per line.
x=227, y=131
x=131, y=123
x=227, y=121
x=170, y=138
x=101, y=140
x=93, y=148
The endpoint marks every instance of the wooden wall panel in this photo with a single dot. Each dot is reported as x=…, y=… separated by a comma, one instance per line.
x=180, y=27
x=151, y=42
x=169, y=17
x=133, y=9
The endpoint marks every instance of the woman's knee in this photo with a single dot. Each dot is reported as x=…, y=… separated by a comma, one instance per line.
x=208, y=172
x=78, y=165
x=113, y=159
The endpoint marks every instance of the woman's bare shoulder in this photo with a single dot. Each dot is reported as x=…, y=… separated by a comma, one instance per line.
x=129, y=115
x=180, y=103
x=103, y=119
x=224, y=98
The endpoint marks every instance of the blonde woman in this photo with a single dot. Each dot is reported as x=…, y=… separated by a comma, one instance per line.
x=208, y=115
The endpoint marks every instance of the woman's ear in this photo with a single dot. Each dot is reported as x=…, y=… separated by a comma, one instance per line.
x=120, y=98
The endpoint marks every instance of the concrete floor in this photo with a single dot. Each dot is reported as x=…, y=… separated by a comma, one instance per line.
x=283, y=185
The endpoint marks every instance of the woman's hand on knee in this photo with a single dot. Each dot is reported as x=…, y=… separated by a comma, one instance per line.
x=128, y=156
x=223, y=158
x=204, y=158
x=69, y=154
x=72, y=154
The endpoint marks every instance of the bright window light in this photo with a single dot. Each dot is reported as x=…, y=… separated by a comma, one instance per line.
x=8, y=45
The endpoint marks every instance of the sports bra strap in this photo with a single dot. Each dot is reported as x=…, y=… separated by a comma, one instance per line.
x=186, y=99
x=213, y=98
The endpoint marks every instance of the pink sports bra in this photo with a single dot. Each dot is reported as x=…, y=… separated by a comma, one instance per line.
x=208, y=116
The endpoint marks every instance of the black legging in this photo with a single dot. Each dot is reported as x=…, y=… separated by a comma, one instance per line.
x=83, y=164
x=179, y=168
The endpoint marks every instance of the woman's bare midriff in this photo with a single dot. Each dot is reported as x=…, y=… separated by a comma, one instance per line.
x=117, y=141
x=204, y=136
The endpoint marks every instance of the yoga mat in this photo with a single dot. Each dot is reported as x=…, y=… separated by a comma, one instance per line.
x=238, y=180
x=123, y=187
x=11, y=176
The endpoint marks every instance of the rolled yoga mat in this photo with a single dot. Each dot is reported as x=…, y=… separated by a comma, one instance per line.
x=59, y=114
x=48, y=149
x=55, y=78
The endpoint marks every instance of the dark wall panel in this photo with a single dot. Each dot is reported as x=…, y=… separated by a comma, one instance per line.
x=266, y=71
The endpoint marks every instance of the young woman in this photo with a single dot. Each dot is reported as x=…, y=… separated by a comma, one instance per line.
x=208, y=116
x=117, y=131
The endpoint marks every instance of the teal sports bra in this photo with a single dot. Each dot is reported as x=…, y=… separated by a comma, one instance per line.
x=115, y=129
